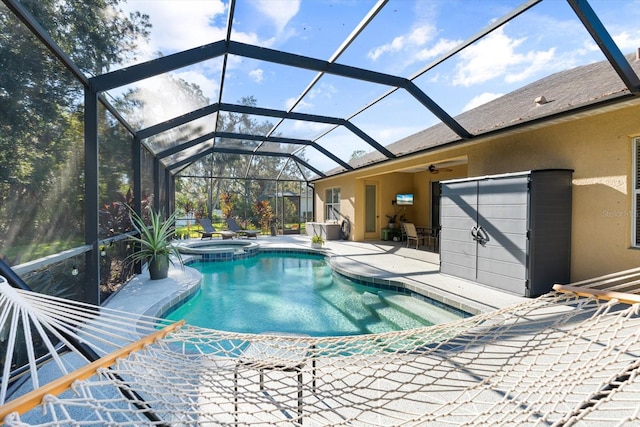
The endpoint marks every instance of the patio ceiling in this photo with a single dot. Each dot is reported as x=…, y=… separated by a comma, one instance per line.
x=372, y=103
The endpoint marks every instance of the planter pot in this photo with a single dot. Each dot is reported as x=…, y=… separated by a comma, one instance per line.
x=391, y=225
x=316, y=245
x=159, y=268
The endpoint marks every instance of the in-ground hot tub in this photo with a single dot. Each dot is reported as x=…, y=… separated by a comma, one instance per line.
x=219, y=250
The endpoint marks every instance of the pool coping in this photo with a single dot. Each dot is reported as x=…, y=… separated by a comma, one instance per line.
x=217, y=254
x=399, y=286
x=417, y=289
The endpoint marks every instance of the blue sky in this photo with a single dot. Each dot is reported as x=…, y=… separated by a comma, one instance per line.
x=402, y=39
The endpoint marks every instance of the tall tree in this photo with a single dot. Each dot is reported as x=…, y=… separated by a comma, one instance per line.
x=41, y=105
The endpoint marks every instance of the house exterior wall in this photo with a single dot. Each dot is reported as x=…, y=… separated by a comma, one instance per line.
x=347, y=199
x=598, y=148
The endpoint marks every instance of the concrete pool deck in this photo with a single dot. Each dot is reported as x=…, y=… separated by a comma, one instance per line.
x=371, y=260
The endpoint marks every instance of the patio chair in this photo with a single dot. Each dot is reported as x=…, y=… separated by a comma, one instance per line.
x=233, y=226
x=413, y=235
x=210, y=230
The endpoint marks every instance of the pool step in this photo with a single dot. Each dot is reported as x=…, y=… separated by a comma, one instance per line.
x=357, y=313
x=400, y=319
x=372, y=303
x=432, y=314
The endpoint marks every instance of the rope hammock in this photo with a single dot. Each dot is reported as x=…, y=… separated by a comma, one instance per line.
x=567, y=358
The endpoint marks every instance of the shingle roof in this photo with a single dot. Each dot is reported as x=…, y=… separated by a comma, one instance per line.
x=564, y=91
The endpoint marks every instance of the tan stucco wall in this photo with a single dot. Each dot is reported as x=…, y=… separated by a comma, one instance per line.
x=390, y=183
x=348, y=198
x=597, y=148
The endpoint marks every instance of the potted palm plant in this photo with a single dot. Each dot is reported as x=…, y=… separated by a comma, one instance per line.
x=154, y=242
x=317, y=241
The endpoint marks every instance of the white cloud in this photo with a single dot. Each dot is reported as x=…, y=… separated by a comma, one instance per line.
x=395, y=45
x=421, y=35
x=414, y=47
x=181, y=25
x=590, y=46
x=418, y=37
x=322, y=90
x=538, y=61
x=185, y=24
x=486, y=59
x=627, y=42
x=436, y=78
x=301, y=106
x=440, y=48
x=257, y=75
x=495, y=56
x=480, y=99
x=311, y=128
x=279, y=12
x=391, y=134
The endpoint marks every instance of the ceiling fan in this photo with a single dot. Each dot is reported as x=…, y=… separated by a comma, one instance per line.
x=434, y=169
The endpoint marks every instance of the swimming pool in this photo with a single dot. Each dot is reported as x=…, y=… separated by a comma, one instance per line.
x=298, y=293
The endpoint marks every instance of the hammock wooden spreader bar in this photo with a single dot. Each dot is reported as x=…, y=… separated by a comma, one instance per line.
x=30, y=400
x=623, y=298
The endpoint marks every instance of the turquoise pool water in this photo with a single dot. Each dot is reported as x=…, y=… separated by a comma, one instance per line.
x=295, y=293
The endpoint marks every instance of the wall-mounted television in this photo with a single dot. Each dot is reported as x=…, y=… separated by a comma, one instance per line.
x=405, y=199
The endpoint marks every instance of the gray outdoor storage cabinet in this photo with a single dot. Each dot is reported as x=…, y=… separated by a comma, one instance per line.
x=511, y=232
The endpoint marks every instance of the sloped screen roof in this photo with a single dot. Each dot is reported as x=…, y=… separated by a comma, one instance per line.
x=324, y=87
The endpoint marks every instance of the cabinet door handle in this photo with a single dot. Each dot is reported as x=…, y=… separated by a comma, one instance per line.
x=482, y=235
x=474, y=233
x=479, y=235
